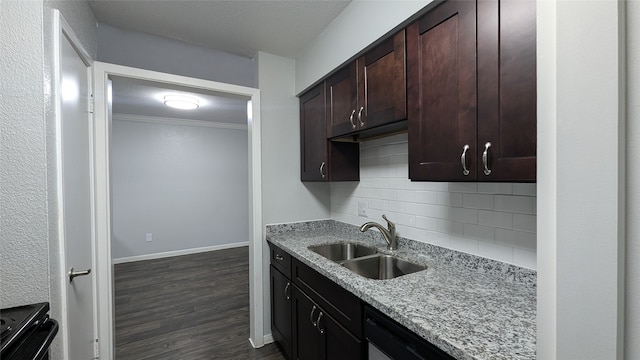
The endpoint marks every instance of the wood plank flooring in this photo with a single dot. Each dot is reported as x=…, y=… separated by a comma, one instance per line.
x=188, y=307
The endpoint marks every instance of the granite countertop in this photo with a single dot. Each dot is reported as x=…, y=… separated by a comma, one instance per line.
x=468, y=306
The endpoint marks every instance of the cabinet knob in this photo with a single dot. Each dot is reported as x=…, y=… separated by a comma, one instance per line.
x=360, y=116
x=323, y=167
x=463, y=160
x=353, y=124
x=279, y=257
x=485, y=158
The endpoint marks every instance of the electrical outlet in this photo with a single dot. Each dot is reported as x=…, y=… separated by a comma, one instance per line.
x=362, y=208
x=149, y=237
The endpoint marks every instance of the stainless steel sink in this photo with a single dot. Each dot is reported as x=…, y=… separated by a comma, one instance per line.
x=382, y=267
x=342, y=251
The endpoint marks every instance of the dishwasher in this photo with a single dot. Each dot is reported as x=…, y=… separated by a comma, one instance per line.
x=390, y=340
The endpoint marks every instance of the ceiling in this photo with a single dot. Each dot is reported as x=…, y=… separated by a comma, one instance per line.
x=146, y=98
x=242, y=27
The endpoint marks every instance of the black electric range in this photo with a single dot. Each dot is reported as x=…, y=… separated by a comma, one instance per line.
x=26, y=332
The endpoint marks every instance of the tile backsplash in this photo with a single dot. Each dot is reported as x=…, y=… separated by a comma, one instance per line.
x=492, y=220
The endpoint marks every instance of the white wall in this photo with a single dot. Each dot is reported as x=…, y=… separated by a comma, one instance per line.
x=493, y=220
x=632, y=301
x=546, y=180
x=144, y=51
x=581, y=79
x=284, y=197
x=24, y=257
x=358, y=25
x=27, y=155
x=187, y=185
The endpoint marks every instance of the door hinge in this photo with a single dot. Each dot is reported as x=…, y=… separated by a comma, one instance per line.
x=96, y=350
x=91, y=103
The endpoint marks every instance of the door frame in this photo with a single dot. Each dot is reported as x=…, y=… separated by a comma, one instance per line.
x=102, y=139
x=61, y=28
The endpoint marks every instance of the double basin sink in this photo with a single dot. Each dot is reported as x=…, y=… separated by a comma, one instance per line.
x=366, y=261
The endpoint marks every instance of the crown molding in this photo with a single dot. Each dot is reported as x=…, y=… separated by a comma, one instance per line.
x=176, y=121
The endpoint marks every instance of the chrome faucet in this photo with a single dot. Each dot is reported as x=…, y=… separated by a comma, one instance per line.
x=389, y=235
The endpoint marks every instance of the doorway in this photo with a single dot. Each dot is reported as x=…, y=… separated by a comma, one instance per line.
x=104, y=74
x=179, y=180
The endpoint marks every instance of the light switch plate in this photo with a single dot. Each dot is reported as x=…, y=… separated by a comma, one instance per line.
x=149, y=237
x=362, y=208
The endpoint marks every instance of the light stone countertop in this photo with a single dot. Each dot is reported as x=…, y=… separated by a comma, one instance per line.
x=468, y=306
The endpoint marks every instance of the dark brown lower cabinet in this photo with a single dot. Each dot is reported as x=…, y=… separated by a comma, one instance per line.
x=317, y=336
x=313, y=318
x=281, y=301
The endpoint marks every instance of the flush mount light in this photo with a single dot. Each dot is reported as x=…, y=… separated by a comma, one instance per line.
x=182, y=102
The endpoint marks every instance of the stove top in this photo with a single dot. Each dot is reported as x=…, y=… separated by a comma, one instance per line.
x=6, y=324
x=16, y=321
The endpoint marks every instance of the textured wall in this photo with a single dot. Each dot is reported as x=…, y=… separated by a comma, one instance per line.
x=187, y=185
x=23, y=194
x=29, y=256
x=496, y=221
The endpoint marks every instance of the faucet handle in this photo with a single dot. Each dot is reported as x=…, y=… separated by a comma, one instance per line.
x=390, y=224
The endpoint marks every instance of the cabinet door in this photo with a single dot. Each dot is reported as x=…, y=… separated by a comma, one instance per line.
x=441, y=82
x=382, y=85
x=507, y=89
x=337, y=343
x=306, y=340
x=341, y=101
x=313, y=139
x=281, y=325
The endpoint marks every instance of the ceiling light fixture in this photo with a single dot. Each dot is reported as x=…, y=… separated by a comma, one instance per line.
x=182, y=102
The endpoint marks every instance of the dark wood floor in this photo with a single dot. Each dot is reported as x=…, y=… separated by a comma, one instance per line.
x=186, y=307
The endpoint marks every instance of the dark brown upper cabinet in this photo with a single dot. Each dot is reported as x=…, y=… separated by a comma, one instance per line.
x=507, y=90
x=321, y=160
x=441, y=57
x=472, y=93
x=369, y=92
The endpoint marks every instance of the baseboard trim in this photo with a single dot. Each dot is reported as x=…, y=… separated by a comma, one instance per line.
x=267, y=339
x=166, y=254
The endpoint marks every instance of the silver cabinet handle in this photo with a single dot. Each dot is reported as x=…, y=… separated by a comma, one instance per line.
x=485, y=158
x=322, y=169
x=73, y=274
x=286, y=291
x=360, y=116
x=353, y=124
x=463, y=160
x=311, y=316
x=279, y=257
x=320, y=329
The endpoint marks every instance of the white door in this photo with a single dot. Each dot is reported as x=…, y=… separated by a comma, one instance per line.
x=77, y=204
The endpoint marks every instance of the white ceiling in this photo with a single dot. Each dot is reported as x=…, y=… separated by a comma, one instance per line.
x=145, y=98
x=242, y=27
